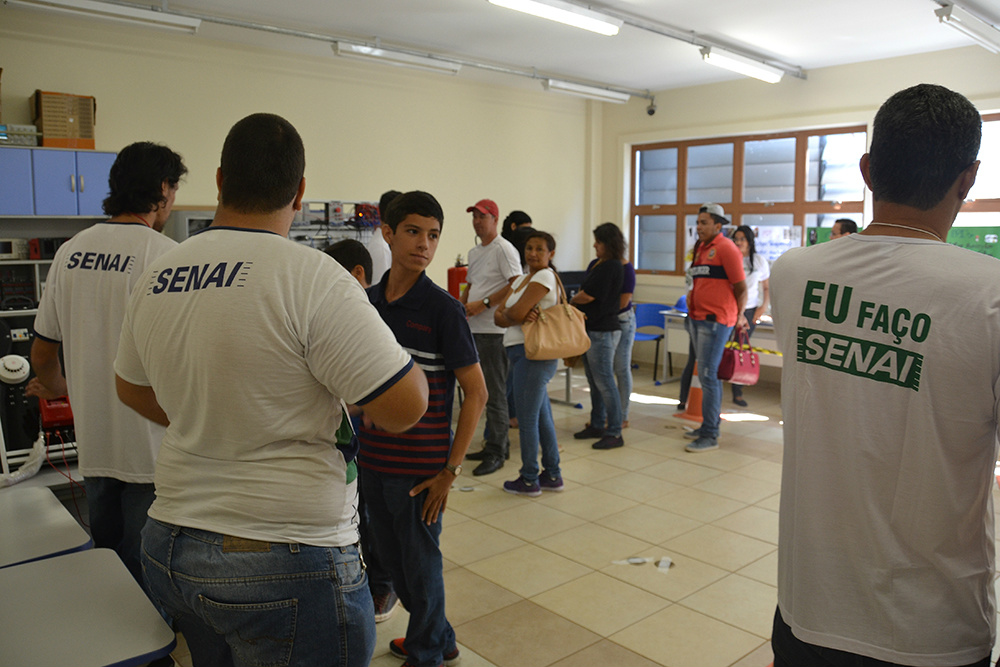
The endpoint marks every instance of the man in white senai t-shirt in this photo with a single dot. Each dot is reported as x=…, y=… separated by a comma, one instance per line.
x=890, y=386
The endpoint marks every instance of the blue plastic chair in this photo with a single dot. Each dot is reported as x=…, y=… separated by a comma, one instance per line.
x=648, y=315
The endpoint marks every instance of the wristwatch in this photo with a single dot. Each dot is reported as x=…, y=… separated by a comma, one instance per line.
x=454, y=470
x=486, y=302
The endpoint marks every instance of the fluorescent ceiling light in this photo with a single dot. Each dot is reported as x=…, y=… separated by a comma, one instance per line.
x=590, y=92
x=390, y=57
x=982, y=32
x=741, y=64
x=119, y=13
x=565, y=12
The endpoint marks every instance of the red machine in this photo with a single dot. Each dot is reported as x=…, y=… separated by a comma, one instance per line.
x=457, y=278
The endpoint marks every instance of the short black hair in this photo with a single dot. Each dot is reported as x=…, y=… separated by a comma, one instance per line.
x=350, y=253
x=385, y=200
x=516, y=218
x=415, y=202
x=263, y=161
x=847, y=226
x=610, y=235
x=923, y=138
x=137, y=176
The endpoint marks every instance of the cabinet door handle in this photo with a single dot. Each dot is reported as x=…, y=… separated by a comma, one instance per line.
x=72, y=182
x=81, y=183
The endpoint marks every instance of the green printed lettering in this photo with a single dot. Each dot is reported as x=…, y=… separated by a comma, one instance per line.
x=811, y=298
x=881, y=319
x=900, y=330
x=858, y=358
x=921, y=328
x=845, y=303
x=864, y=313
x=862, y=358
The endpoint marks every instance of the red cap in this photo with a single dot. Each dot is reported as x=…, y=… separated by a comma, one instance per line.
x=485, y=206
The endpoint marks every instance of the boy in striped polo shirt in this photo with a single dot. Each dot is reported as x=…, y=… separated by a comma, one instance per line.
x=406, y=477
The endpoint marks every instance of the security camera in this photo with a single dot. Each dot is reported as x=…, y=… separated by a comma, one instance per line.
x=651, y=109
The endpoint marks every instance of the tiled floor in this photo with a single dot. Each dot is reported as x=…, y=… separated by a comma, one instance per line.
x=533, y=582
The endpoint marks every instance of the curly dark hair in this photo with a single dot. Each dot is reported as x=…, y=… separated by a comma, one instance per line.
x=137, y=176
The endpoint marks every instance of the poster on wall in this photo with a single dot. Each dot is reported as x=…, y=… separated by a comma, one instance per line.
x=771, y=241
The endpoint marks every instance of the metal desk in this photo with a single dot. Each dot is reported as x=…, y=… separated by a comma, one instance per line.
x=668, y=369
x=36, y=525
x=81, y=609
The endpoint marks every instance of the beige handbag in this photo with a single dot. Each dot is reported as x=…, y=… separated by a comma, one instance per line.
x=559, y=331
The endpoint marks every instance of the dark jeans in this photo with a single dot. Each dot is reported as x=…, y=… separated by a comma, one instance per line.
x=410, y=550
x=379, y=580
x=117, y=512
x=493, y=360
x=789, y=651
x=688, y=371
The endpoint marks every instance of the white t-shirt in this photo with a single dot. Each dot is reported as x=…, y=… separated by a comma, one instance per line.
x=491, y=267
x=86, y=293
x=381, y=255
x=890, y=389
x=546, y=278
x=249, y=341
x=761, y=272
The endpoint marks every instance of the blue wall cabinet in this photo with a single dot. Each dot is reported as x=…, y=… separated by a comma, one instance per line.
x=70, y=182
x=15, y=182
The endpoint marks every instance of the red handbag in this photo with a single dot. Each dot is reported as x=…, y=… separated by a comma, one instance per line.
x=740, y=364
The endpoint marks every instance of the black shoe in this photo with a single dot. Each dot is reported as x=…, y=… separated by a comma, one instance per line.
x=589, y=433
x=477, y=456
x=738, y=400
x=681, y=407
x=489, y=465
x=609, y=442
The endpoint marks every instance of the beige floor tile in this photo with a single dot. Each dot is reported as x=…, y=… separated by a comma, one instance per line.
x=468, y=596
x=529, y=570
x=724, y=458
x=770, y=503
x=593, y=545
x=680, y=637
x=472, y=541
x=600, y=603
x=589, y=470
x=587, y=502
x=696, y=504
x=532, y=521
x=752, y=521
x=685, y=473
x=483, y=499
x=759, y=657
x=745, y=603
x=685, y=576
x=649, y=524
x=523, y=635
x=764, y=570
x=605, y=654
x=768, y=471
x=720, y=547
x=629, y=458
x=636, y=486
x=448, y=565
x=736, y=486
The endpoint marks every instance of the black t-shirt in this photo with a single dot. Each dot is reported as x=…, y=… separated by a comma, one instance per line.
x=604, y=283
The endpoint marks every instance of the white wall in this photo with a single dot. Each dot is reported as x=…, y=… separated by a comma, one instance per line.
x=367, y=128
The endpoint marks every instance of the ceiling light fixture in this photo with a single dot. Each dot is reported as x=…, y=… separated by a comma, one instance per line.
x=987, y=35
x=113, y=12
x=565, y=12
x=734, y=62
x=392, y=57
x=580, y=90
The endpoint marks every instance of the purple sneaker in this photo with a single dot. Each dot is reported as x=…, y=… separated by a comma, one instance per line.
x=549, y=482
x=522, y=488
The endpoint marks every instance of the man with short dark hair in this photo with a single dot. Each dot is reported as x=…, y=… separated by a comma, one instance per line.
x=886, y=545
x=354, y=257
x=843, y=227
x=81, y=313
x=407, y=476
x=246, y=345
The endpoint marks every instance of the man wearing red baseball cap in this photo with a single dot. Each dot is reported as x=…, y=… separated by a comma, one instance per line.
x=493, y=264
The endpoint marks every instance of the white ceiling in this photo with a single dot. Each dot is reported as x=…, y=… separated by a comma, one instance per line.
x=806, y=33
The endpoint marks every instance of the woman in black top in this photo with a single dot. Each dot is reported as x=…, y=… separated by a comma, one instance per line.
x=598, y=299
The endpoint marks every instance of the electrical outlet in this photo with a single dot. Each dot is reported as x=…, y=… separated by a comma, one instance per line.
x=20, y=335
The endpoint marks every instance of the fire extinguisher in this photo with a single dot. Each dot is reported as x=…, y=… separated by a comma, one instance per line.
x=456, y=278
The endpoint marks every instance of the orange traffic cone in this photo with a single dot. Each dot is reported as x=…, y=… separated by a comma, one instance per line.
x=693, y=409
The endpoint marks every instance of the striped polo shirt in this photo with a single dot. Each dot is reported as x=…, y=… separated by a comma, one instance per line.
x=431, y=325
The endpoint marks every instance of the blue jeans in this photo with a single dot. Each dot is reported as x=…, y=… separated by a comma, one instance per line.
x=117, y=513
x=599, y=365
x=709, y=341
x=534, y=422
x=246, y=603
x=410, y=550
x=493, y=360
x=623, y=359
